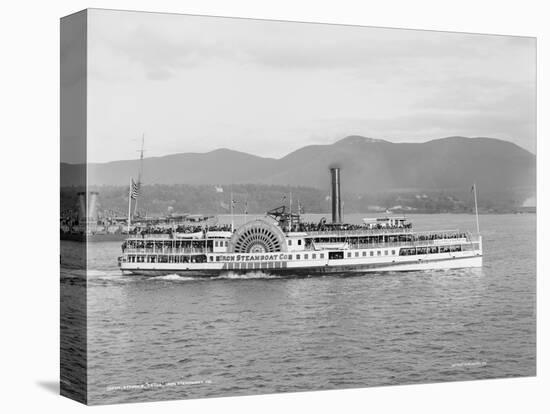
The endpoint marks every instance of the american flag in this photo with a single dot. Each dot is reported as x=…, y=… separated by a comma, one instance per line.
x=134, y=193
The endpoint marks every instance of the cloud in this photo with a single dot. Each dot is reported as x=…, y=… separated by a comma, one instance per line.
x=170, y=42
x=195, y=83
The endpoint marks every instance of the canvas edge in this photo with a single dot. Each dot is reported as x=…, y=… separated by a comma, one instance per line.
x=73, y=138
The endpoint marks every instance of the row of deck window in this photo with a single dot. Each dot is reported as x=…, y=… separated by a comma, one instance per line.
x=398, y=238
x=432, y=250
x=306, y=256
x=164, y=244
x=167, y=259
x=290, y=242
x=371, y=253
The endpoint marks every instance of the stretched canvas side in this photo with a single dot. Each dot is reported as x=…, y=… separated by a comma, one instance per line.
x=73, y=197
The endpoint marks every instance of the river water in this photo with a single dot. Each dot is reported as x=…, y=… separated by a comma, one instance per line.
x=177, y=337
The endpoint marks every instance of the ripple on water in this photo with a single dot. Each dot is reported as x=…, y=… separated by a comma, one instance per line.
x=262, y=333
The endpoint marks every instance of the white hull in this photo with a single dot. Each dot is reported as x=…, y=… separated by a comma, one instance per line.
x=309, y=267
x=456, y=263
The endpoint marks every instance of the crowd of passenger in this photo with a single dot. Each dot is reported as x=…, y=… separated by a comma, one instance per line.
x=196, y=229
x=438, y=236
x=148, y=230
x=296, y=227
x=185, y=229
x=379, y=226
x=323, y=226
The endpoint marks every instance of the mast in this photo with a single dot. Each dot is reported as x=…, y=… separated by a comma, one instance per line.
x=290, y=211
x=129, y=205
x=140, y=172
x=231, y=207
x=475, y=203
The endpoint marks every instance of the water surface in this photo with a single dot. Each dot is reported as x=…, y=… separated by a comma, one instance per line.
x=182, y=337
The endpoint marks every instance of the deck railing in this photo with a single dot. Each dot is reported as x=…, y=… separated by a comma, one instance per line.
x=375, y=232
x=326, y=233
x=416, y=243
x=166, y=250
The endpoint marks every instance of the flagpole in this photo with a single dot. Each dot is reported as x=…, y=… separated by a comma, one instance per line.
x=232, y=221
x=290, y=209
x=129, y=204
x=140, y=172
x=475, y=202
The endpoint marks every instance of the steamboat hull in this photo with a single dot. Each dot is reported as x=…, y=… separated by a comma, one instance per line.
x=410, y=265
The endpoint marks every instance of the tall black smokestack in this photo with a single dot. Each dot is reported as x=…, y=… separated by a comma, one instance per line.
x=336, y=203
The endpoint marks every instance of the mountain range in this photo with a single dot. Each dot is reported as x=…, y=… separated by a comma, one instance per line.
x=368, y=165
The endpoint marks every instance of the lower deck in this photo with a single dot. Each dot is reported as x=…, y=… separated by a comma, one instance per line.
x=328, y=261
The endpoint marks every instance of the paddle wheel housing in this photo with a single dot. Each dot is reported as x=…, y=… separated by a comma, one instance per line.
x=257, y=236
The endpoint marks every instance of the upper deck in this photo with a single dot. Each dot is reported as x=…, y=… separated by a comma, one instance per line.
x=351, y=232
x=301, y=241
x=280, y=231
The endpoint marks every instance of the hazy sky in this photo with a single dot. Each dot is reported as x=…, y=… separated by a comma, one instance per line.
x=194, y=84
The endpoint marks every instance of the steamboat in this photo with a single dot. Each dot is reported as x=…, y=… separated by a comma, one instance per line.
x=280, y=243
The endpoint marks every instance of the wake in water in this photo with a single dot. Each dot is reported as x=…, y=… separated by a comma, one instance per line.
x=90, y=274
x=114, y=275
x=100, y=277
x=246, y=276
x=174, y=277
